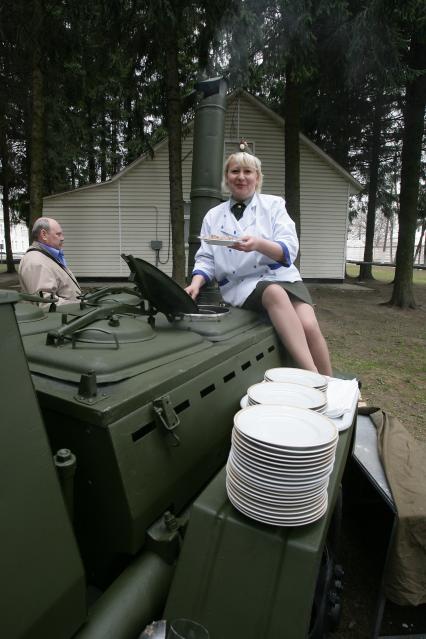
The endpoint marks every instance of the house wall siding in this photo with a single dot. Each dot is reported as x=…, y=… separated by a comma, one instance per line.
x=323, y=203
x=89, y=218
x=145, y=210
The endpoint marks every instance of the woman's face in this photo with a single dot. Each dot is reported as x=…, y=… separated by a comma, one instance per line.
x=241, y=180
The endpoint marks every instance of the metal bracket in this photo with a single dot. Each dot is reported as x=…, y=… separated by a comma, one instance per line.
x=166, y=416
x=88, y=389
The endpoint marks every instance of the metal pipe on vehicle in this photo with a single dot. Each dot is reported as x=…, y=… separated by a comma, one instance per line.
x=207, y=157
x=134, y=599
x=66, y=464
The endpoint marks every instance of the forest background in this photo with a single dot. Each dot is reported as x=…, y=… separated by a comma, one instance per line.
x=85, y=88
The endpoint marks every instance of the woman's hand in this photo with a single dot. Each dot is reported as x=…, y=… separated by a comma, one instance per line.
x=267, y=247
x=247, y=243
x=193, y=289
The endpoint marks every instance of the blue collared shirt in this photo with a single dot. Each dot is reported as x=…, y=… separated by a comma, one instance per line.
x=58, y=254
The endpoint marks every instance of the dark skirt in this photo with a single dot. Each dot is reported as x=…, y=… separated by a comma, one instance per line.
x=296, y=291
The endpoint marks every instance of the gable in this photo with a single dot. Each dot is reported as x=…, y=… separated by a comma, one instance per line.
x=244, y=120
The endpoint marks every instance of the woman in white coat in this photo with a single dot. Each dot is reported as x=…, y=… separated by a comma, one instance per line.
x=257, y=271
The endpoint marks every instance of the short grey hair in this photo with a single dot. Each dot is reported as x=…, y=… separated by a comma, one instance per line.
x=246, y=160
x=41, y=224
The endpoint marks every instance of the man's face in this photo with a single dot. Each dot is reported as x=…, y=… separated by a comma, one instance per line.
x=54, y=236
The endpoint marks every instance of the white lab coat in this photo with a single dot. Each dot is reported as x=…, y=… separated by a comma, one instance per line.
x=236, y=272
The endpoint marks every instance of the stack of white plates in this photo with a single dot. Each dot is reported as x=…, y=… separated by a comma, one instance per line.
x=287, y=394
x=280, y=462
x=298, y=376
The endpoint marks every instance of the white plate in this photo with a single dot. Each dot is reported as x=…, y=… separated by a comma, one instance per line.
x=278, y=472
x=281, y=479
x=279, y=517
x=274, y=491
x=294, y=510
x=284, y=520
x=286, y=427
x=249, y=478
x=271, y=498
x=284, y=465
x=244, y=401
x=288, y=462
x=288, y=394
x=292, y=500
x=264, y=466
x=217, y=242
x=296, y=375
x=282, y=451
x=282, y=455
x=278, y=484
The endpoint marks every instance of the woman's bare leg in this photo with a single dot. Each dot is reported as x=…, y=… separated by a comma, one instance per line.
x=316, y=342
x=288, y=325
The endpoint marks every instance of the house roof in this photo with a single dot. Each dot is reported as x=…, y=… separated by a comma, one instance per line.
x=258, y=103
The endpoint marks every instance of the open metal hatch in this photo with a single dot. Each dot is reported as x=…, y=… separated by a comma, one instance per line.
x=164, y=295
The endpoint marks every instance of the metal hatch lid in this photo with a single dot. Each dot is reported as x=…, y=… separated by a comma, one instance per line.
x=27, y=312
x=159, y=289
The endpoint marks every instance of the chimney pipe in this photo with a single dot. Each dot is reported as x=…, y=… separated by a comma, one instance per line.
x=207, y=157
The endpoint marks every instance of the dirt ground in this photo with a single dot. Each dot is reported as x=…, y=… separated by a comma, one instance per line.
x=384, y=347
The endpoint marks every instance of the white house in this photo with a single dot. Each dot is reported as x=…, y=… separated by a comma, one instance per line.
x=18, y=238
x=124, y=214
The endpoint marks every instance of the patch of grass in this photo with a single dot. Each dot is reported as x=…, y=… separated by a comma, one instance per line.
x=353, y=363
x=385, y=274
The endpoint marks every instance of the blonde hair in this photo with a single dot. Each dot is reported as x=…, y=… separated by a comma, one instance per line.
x=243, y=159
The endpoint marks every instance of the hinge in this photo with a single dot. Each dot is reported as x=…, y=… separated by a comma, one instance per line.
x=166, y=416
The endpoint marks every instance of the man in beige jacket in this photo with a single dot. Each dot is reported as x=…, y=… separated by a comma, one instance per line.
x=43, y=270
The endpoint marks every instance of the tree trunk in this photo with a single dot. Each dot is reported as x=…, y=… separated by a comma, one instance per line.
x=386, y=235
x=174, y=127
x=4, y=157
x=37, y=126
x=365, y=270
x=418, y=252
x=73, y=175
x=403, y=294
x=115, y=155
x=6, y=220
x=292, y=149
x=103, y=148
x=91, y=160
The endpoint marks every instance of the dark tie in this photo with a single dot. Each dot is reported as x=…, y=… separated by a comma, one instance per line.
x=238, y=209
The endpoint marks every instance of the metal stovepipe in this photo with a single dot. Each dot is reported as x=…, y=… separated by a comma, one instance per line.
x=207, y=158
x=134, y=599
